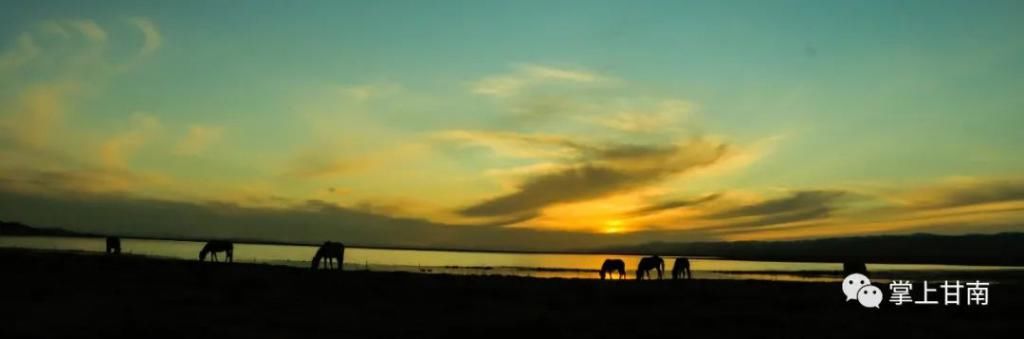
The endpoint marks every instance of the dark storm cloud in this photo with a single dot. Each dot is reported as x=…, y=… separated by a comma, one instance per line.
x=602, y=172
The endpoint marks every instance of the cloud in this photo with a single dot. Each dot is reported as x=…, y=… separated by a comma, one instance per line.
x=526, y=76
x=152, y=39
x=197, y=139
x=53, y=27
x=60, y=182
x=674, y=204
x=515, y=144
x=600, y=172
x=115, y=151
x=966, y=192
x=551, y=73
x=665, y=114
x=798, y=206
x=39, y=110
x=796, y=201
x=90, y=30
x=24, y=50
x=365, y=92
x=313, y=166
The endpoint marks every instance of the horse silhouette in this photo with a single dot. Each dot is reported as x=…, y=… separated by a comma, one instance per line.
x=330, y=251
x=613, y=265
x=648, y=263
x=113, y=245
x=681, y=268
x=214, y=246
x=851, y=267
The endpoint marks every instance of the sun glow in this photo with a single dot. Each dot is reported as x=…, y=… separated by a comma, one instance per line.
x=613, y=226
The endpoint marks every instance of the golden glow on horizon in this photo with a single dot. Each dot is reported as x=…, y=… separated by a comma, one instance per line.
x=614, y=226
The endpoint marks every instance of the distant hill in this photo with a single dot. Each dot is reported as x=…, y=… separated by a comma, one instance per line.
x=972, y=249
x=15, y=228
x=1003, y=249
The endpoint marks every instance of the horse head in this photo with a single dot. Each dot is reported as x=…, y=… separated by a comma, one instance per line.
x=316, y=261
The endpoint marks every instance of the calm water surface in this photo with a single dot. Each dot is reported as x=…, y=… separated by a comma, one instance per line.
x=522, y=264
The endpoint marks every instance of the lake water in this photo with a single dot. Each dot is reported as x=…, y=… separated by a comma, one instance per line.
x=541, y=265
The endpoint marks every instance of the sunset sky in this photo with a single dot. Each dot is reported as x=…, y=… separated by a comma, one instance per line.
x=513, y=124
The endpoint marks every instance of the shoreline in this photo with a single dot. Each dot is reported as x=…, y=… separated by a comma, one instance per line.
x=819, y=259
x=60, y=294
x=1002, y=275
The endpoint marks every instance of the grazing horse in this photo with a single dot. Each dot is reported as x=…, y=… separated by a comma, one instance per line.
x=681, y=268
x=647, y=264
x=214, y=246
x=851, y=267
x=330, y=251
x=613, y=265
x=113, y=245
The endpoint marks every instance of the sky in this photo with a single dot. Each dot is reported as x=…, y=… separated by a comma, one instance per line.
x=541, y=125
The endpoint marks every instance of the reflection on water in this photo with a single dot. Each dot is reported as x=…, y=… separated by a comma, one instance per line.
x=520, y=264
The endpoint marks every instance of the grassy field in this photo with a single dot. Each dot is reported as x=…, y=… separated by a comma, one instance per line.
x=70, y=294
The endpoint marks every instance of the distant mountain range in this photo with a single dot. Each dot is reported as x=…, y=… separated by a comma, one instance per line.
x=972, y=249
x=15, y=228
x=1003, y=249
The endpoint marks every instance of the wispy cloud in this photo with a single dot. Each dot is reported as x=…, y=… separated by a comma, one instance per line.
x=198, y=138
x=795, y=207
x=599, y=173
x=525, y=76
x=674, y=204
x=24, y=50
x=152, y=39
x=366, y=92
x=965, y=192
x=322, y=163
x=90, y=29
x=515, y=144
x=314, y=165
x=116, y=151
x=38, y=112
x=663, y=116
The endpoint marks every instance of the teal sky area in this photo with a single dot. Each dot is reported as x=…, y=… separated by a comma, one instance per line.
x=558, y=123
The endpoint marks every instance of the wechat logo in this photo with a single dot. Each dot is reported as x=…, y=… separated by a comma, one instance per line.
x=858, y=287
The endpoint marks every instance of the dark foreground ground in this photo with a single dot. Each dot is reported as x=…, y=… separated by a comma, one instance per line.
x=64, y=294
